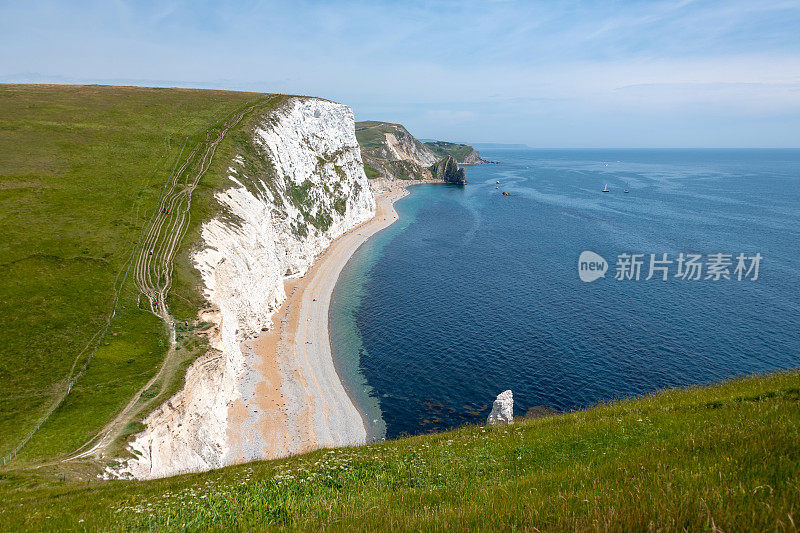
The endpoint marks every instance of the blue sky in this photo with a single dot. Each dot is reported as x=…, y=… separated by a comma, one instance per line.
x=547, y=74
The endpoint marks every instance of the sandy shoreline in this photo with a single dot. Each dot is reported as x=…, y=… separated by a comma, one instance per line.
x=294, y=400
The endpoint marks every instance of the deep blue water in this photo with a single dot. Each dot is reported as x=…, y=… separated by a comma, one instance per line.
x=472, y=292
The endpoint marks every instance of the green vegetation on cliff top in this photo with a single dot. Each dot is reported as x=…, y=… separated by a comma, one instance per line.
x=444, y=148
x=371, y=134
x=378, y=159
x=81, y=171
x=724, y=457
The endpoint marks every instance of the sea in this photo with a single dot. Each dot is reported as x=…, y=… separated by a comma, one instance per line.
x=545, y=291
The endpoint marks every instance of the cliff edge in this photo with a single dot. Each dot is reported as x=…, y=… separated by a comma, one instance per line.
x=299, y=184
x=391, y=152
x=462, y=153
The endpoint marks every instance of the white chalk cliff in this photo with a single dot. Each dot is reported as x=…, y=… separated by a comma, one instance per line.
x=273, y=223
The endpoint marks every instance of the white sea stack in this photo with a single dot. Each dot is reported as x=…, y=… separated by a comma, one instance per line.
x=502, y=409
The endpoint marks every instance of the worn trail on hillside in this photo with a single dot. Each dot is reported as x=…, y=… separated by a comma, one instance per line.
x=154, y=257
x=154, y=260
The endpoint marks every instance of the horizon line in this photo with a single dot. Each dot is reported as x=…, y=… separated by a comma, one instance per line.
x=215, y=86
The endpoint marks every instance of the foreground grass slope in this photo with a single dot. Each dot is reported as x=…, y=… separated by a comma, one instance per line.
x=724, y=457
x=81, y=170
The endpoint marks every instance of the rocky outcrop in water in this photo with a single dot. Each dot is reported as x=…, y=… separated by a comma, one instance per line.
x=502, y=409
x=448, y=170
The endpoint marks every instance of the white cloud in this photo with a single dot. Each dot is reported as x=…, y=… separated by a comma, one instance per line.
x=445, y=68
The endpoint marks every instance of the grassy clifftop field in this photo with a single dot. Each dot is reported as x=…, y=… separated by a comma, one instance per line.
x=724, y=457
x=460, y=152
x=81, y=172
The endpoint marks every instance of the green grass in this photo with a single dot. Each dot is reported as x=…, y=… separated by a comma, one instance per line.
x=370, y=171
x=443, y=149
x=186, y=297
x=403, y=170
x=724, y=457
x=371, y=135
x=81, y=169
x=80, y=172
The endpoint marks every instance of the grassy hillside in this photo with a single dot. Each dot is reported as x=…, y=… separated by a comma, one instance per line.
x=371, y=134
x=703, y=458
x=443, y=149
x=81, y=170
x=381, y=160
x=416, y=157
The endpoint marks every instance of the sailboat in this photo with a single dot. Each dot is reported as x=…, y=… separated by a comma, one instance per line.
x=606, y=189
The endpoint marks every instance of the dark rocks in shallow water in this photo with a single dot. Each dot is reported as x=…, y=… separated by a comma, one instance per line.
x=540, y=411
x=448, y=170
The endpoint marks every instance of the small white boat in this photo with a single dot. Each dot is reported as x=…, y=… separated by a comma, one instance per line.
x=606, y=189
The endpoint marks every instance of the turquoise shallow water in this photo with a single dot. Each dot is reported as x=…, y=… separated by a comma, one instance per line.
x=472, y=293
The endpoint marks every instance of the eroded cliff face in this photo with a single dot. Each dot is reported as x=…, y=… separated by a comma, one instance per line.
x=473, y=158
x=301, y=186
x=393, y=151
x=402, y=146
